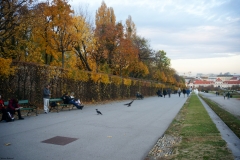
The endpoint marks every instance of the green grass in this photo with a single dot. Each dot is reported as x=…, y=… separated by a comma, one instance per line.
x=200, y=136
x=230, y=120
x=236, y=96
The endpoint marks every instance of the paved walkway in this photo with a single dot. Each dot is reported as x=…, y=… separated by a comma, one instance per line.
x=233, y=106
x=122, y=132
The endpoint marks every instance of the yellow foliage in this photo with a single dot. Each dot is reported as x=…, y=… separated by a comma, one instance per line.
x=5, y=68
x=78, y=75
x=139, y=67
x=116, y=80
x=83, y=76
x=127, y=82
x=96, y=77
x=105, y=79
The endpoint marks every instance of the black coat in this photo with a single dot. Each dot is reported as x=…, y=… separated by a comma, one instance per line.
x=164, y=92
x=66, y=99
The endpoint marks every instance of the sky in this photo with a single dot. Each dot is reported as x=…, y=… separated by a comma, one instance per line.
x=199, y=36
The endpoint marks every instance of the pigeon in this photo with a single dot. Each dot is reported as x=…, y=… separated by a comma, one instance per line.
x=129, y=104
x=98, y=112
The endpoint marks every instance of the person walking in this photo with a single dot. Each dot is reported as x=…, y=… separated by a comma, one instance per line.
x=184, y=91
x=46, y=97
x=228, y=95
x=169, y=92
x=188, y=92
x=164, y=93
x=224, y=95
x=179, y=92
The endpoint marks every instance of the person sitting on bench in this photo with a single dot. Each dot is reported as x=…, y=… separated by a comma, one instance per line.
x=3, y=109
x=75, y=99
x=138, y=95
x=68, y=100
x=13, y=107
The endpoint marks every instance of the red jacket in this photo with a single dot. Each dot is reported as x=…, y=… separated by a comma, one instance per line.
x=1, y=104
x=13, y=103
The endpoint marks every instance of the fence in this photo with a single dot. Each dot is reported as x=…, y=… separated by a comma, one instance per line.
x=30, y=79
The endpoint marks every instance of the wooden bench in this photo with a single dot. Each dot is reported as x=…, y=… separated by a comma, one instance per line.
x=59, y=103
x=26, y=106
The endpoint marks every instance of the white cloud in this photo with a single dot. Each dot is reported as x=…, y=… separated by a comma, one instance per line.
x=183, y=29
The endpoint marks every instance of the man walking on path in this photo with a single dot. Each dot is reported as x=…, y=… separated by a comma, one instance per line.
x=228, y=95
x=184, y=91
x=46, y=96
x=169, y=92
x=224, y=95
x=188, y=91
x=179, y=92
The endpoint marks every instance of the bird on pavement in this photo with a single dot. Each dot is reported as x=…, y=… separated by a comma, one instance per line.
x=98, y=112
x=129, y=104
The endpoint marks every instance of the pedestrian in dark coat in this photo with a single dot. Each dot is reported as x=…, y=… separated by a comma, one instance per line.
x=169, y=92
x=184, y=91
x=164, y=93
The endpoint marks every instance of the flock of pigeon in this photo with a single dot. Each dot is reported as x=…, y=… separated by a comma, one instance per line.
x=127, y=104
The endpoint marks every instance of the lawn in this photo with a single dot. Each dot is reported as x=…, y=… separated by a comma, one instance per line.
x=200, y=138
x=230, y=120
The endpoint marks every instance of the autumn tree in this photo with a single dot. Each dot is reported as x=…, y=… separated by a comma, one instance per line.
x=105, y=22
x=140, y=68
x=130, y=28
x=125, y=53
x=11, y=17
x=61, y=22
x=84, y=42
x=42, y=33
